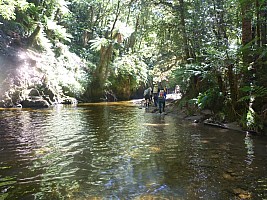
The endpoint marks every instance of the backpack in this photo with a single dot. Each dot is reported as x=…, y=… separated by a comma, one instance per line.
x=161, y=94
x=155, y=89
x=145, y=92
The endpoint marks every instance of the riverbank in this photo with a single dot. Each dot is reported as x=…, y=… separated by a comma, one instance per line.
x=199, y=116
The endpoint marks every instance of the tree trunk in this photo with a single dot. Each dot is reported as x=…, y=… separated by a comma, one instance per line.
x=263, y=27
x=221, y=84
x=184, y=35
x=97, y=86
x=258, y=24
x=232, y=84
x=33, y=36
x=246, y=30
x=100, y=75
x=248, y=67
x=132, y=39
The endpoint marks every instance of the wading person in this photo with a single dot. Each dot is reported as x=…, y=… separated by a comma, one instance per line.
x=147, y=95
x=155, y=94
x=161, y=101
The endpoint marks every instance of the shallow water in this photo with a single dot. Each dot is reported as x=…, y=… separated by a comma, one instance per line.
x=119, y=151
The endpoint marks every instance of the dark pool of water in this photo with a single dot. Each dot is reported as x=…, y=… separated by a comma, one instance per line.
x=119, y=151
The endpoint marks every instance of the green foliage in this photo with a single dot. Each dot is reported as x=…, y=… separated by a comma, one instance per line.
x=198, y=42
x=211, y=99
x=190, y=105
x=59, y=31
x=97, y=43
x=70, y=72
x=183, y=74
x=8, y=8
x=251, y=121
x=253, y=92
x=131, y=65
x=180, y=77
x=64, y=70
x=128, y=72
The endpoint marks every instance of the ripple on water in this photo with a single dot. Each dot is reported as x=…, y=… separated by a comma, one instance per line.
x=112, y=151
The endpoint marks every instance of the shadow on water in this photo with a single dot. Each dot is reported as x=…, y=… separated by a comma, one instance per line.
x=119, y=151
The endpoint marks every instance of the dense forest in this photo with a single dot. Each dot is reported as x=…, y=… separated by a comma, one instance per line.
x=94, y=50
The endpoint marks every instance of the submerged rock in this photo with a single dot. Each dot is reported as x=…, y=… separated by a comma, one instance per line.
x=243, y=194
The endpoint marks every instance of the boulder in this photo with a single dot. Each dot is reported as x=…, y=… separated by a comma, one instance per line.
x=36, y=103
x=51, y=93
x=47, y=98
x=68, y=100
x=34, y=93
x=6, y=101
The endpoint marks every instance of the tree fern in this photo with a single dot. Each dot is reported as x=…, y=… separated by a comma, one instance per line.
x=253, y=92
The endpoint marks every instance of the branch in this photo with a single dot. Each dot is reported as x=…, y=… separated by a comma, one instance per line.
x=117, y=15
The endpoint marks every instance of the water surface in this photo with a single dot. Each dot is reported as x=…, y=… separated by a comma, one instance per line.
x=119, y=151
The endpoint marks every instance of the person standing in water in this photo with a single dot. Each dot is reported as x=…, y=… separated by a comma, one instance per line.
x=155, y=94
x=162, y=100
x=147, y=95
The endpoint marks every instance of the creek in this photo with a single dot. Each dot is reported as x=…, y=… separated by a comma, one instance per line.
x=120, y=151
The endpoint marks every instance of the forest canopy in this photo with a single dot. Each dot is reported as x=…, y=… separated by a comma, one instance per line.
x=215, y=51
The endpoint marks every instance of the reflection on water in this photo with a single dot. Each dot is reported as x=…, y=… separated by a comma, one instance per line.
x=249, y=146
x=119, y=151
